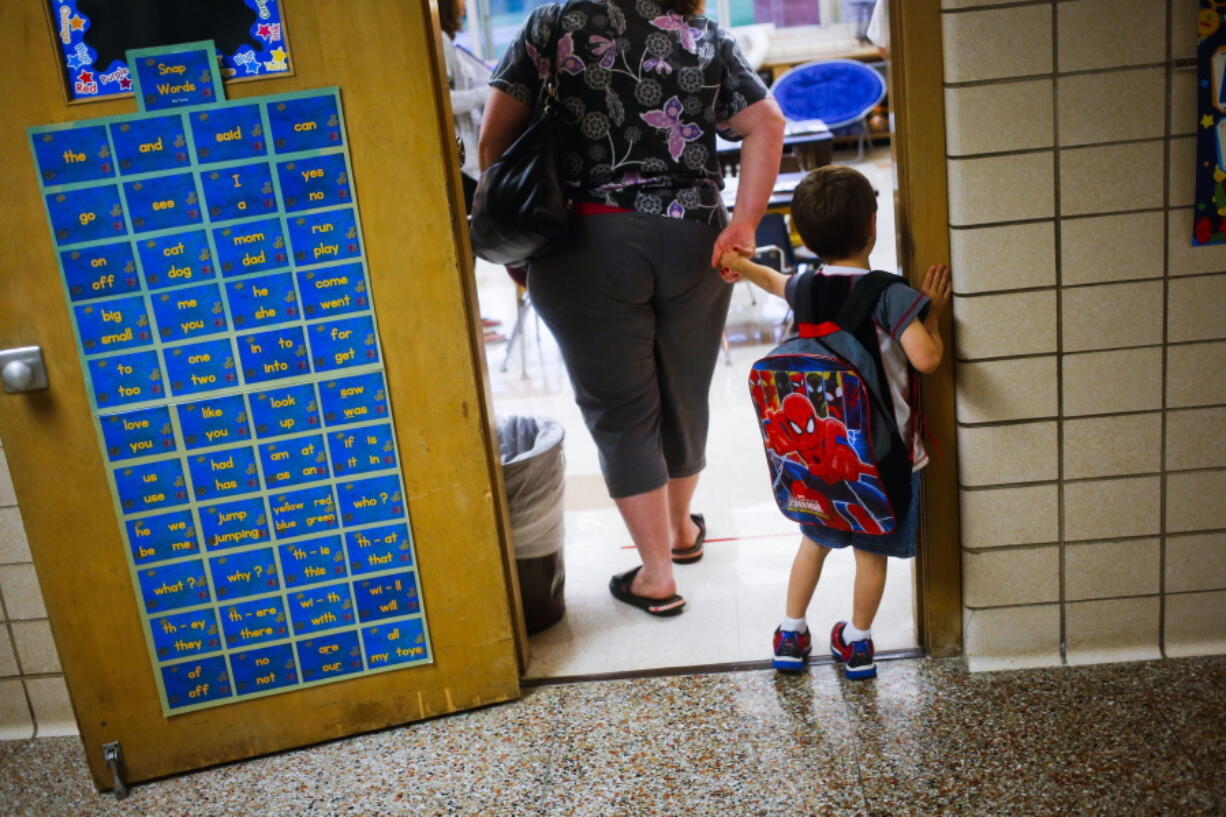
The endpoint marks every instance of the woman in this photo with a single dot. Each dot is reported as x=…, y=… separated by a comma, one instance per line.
x=467, y=78
x=632, y=298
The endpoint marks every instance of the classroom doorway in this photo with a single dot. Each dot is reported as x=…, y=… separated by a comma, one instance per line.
x=735, y=593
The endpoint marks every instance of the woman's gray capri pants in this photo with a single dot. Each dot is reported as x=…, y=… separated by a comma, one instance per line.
x=638, y=313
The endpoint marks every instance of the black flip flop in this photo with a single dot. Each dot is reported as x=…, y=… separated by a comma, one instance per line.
x=619, y=586
x=693, y=553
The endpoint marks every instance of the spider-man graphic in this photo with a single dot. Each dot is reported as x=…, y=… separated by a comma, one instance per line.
x=795, y=431
x=815, y=469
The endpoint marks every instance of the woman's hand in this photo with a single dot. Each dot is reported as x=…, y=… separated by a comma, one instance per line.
x=736, y=235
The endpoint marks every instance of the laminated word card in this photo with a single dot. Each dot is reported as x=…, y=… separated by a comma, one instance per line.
x=213, y=263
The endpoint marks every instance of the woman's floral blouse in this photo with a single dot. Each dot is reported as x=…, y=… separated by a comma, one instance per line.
x=642, y=93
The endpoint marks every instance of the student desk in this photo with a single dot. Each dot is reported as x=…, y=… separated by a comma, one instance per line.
x=808, y=143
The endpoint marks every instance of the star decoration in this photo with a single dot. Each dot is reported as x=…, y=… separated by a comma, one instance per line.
x=278, y=54
x=1206, y=121
x=76, y=61
x=85, y=76
x=125, y=84
x=252, y=67
x=263, y=30
x=76, y=23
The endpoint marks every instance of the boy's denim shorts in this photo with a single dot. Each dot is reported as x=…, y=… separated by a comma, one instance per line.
x=899, y=542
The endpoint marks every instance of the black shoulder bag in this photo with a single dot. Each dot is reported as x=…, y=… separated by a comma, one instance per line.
x=520, y=208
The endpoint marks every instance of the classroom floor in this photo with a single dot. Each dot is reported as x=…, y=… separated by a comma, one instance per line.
x=926, y=738
x=734, y=593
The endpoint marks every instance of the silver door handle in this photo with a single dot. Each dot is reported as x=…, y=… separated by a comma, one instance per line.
x=22, y=369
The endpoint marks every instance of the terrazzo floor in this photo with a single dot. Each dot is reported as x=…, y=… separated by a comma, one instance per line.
x=925, y=738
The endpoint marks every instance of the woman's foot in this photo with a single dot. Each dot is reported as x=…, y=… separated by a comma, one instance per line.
x=659, y=599
x=695, y=533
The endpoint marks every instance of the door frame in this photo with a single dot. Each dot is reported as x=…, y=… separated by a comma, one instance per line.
x=918, y=104
x=476, y=342
x=917, y=98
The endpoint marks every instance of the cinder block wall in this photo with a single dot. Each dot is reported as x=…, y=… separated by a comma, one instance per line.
x=1091, y=360
x=33, y=696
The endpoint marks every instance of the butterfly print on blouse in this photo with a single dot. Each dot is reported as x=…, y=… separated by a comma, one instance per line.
x=567, y=61
x=543, y=66
x=659, y=65
x=675, y=22
x=669, y=118
x=605, y=49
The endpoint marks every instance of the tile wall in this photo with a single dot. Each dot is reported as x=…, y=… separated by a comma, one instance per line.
x=1091, y=335
x=33, y=696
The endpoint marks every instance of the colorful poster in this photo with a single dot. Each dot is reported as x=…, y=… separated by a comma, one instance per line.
x=219, y=292
x=93, y=36
x=1209, y=215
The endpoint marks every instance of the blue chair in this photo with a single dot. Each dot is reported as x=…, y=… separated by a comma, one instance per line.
x=841, y=93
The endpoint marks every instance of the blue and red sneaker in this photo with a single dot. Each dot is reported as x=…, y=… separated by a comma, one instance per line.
x=856, y=657
x=792, y=650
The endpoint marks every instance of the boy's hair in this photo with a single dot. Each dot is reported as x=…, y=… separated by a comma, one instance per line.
x=831, y=209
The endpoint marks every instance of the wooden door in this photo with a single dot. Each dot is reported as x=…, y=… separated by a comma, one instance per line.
x=388, y=69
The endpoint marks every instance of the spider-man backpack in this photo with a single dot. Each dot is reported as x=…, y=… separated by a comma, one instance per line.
x=833, y=447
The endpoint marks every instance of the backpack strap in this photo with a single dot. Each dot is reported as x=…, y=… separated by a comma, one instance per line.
x=852, y=319
x=860, y=303
x=863, y=298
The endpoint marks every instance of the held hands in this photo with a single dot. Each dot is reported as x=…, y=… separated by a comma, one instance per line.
x=736, y=234
x=731, y=262
x=937, y=287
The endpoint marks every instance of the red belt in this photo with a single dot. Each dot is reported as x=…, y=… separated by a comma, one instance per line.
x=591, y=208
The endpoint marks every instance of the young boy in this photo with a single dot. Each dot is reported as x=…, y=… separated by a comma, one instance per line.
x=835, y=212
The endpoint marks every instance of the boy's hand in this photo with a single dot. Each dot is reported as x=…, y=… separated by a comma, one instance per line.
x=937, y=287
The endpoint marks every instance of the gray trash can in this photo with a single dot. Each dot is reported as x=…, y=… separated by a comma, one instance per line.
x=534, y=471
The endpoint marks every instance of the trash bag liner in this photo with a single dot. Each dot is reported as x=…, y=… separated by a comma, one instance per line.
x=534, y=470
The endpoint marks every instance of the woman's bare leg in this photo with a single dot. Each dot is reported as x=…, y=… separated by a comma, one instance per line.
x=680, y=493
x=647, y=518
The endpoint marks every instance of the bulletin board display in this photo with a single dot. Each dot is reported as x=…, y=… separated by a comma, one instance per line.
x=93, y=36
x=213, y=264
x=1209, y=214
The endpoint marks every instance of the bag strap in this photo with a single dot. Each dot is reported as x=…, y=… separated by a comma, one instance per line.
x=549, y=88
x=803, y=302
x=851, y=316
x=860, y=303
x=863, y=299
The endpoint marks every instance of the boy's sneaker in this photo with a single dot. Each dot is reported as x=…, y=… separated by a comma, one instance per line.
x=792, y=649
x=856, y=657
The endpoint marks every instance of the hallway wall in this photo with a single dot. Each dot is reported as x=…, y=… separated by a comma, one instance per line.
x=33, y=695
x=1091, y=335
